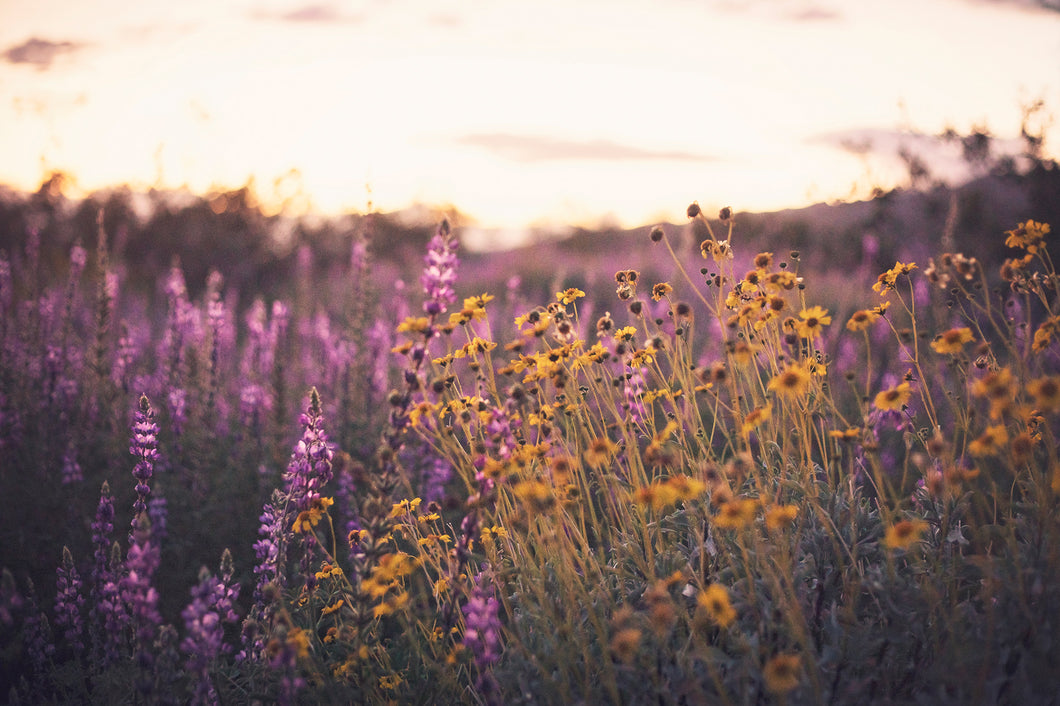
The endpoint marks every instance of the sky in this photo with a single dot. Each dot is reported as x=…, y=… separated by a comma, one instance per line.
x=516, y=113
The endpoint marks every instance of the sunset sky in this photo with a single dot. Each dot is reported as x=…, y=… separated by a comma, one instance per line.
x=516, y=113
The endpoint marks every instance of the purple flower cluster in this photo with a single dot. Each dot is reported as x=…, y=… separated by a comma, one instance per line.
x=212, y=605
x=137, y=591
x=144, y=447
x=38, y=632
x=439, y=272
x=68, y=603
x=308, y=472
x=482, y=629
x=108, y=612
x=310, y=467
x=268, y=549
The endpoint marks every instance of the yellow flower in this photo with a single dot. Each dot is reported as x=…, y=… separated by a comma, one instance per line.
x=792, y=383
x=1045, y=334
x=1046, y=393
x=625, y=334
x=568, y=296
x=657, y=495
x=952, y=342
x=477, y=302
x=600, y=452
x=904, y=533
x=334, y=607
x=534, y=493
x=414, y=324
x=299, y=640
x=782, y=673
x=391, y=605
x=390, y=682
x=686, y=488
x=990, y=442
x=308, y=519
x=862, y=319
x=714, y=600
x=756, y=418
x=641, y=358
x=736, y=513
x=813, y=321
x=1028, y=236
x=846, y=435
x=894, y=398
x=886, y=282
x=999, y=387
x=405, y=507
x=781, y=516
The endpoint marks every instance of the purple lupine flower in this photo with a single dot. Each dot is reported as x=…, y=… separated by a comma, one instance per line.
x=285, y=661
x=211, y=606
x=307, y=473
x=140, y=596
x=269, y=549
x=68, y=603
x=78, y=260
x=271, y=553
x=482, y=630
x=254, y=402
x=107, y=612
x=71, y=468
x=102, y=526
x=38, y=639
x=126, y=355
x=437, y=472
x=166, y=673
x=439, y=272
x=144, y=446
x=178, y=409
x=110, y=612
x=257, y=341
x=180, y=322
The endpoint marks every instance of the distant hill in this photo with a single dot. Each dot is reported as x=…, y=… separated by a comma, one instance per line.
x=259, y=255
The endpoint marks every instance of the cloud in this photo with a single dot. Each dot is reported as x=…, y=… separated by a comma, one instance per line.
x=533, y=148
x=804, y=11
x=814, y=13
x=39, y=52
x=312, y=13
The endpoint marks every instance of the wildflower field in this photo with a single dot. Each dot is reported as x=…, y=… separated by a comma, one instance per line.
x=717, y=485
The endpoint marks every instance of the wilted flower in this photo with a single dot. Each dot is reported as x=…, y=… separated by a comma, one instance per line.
x=781, y=673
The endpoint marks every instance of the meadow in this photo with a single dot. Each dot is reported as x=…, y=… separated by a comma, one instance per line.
x=721, y=478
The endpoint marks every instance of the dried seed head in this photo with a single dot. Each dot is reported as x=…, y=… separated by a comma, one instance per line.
x=656, y=234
